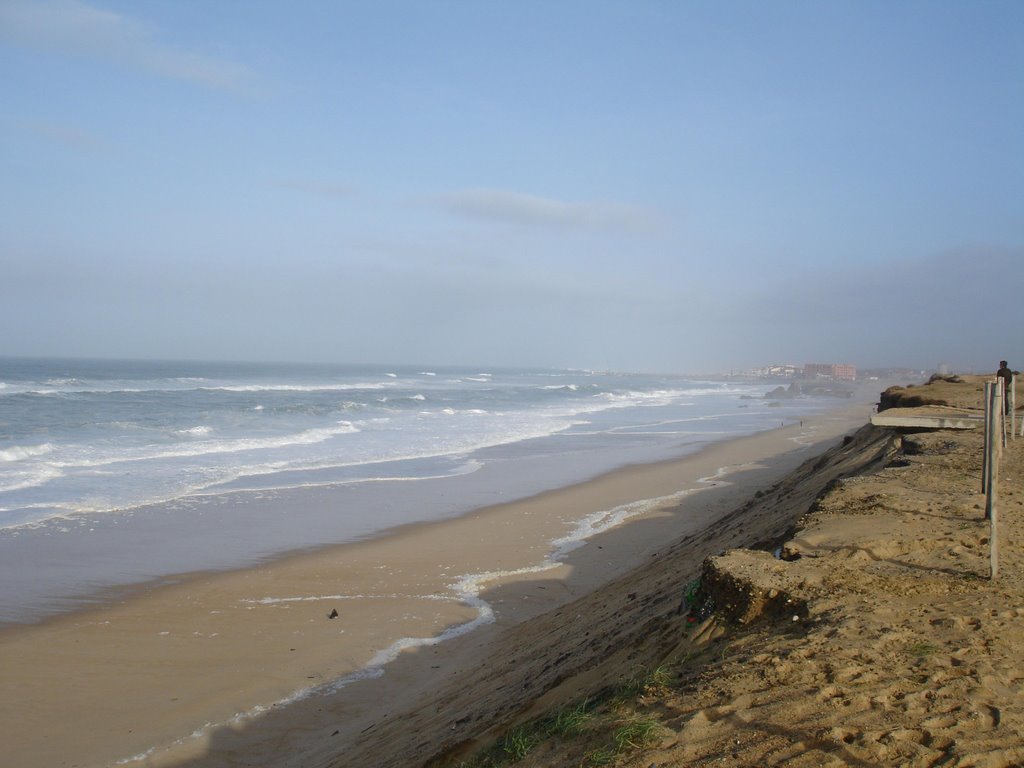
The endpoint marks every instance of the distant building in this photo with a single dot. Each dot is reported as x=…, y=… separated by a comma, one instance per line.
x=777, y=371
x=835, y=371
x=900, y=375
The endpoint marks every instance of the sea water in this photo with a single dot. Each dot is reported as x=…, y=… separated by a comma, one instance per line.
x=225, y=463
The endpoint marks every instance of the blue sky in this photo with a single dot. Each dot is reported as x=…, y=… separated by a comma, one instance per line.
x=672, y=186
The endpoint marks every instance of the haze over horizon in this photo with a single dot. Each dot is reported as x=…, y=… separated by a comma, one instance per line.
x=659, y=186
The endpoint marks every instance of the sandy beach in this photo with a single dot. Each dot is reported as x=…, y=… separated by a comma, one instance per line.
x=246, y=667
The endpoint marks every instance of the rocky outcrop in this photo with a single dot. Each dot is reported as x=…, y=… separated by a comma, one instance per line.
x=784, y=393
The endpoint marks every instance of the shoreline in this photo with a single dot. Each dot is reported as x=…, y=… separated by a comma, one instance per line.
x=238, y=641
x=78, y=561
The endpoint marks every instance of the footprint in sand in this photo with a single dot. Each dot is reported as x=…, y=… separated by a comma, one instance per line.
x=987, y=716
x=830, y=692
x=939, y=722
x=845, y=735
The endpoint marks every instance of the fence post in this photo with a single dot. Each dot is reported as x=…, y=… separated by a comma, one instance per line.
x=986, y=456
x=994, y=404
x=1013, y=409
x=1004, y=400
x=1022, y=415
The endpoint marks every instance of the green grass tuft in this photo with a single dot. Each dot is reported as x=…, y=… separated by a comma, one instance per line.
x=922, y=649
x=518, y=742
x=598, y=729
x=603, y=756
x=691, y=594
x=636, y=734
x=659, y=678
x=571, y=720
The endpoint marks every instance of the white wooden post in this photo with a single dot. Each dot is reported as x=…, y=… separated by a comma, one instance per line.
x=1004, y=400
x=1013, y=409
x=994, y=403
x=986, y=456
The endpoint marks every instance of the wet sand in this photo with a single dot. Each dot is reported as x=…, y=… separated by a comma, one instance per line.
x=199, y=671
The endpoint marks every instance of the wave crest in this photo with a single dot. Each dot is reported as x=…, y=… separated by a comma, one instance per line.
x=21, y=452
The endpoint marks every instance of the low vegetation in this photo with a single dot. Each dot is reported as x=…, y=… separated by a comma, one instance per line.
x=598, y=729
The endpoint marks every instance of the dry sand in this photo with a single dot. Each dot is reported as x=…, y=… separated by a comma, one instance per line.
x=138, y=676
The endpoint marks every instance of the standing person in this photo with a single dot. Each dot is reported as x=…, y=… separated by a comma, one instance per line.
x=1005, y=377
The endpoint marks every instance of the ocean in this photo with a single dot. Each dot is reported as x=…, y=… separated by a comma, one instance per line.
x=114, y=473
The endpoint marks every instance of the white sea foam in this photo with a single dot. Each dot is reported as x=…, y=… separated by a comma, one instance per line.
x=282, y=481
x=21, y=452
x=373, y=670
x=319, y=598
x=76, y=387
x=188, y=435
x=19, y=481
x=239, y=445
x=298, y=387
x=805, y=438
x=237, y=449
x=461, y=411
x=469, y=587
x=627, y=399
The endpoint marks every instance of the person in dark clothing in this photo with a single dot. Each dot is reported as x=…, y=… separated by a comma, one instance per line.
x=1005, y=376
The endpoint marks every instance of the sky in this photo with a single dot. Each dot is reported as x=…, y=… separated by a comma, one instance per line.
x=636, y=185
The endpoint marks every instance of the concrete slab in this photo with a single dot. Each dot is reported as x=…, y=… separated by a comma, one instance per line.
x=893, y=418
x=929, y=417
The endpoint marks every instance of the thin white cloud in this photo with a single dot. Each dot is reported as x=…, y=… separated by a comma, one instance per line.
x=517, y=208
x=75, y=28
